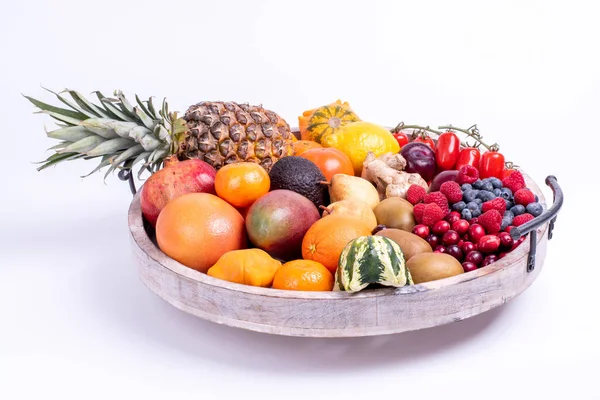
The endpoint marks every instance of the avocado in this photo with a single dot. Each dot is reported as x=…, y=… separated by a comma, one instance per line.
x=302, y=176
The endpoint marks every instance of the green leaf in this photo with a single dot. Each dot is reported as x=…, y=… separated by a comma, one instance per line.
x=103, y=163
x=125, y=106
x=57, y=110
x=57, y=158
x=101, y=127
x=110, y=147
x=70, y=134
x=110, y=108
x=62, y=118
x=71, y=104
x=84, y=145
x=152, y=109
x=129, y=153
x=85, y=103
x=143, y=107
x=146, y=120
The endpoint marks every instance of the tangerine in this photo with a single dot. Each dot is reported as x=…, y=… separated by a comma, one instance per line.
x=330, y=161
x=196, y=229
x=326, y=238
x=303, y=145
x=241, y=184
x=305, y=275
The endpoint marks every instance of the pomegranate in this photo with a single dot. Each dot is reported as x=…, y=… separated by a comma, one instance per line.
x=175, y=179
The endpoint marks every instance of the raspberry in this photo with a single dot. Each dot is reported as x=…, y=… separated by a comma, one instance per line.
x=498, y=204
x=452, y=191
x=418, y=212
x=432, y=214
x=439, y=199
x=491, y=221
x=524, y=197
x=521, y=219
x=415, y=194
x=514, y=181
x=467, y=174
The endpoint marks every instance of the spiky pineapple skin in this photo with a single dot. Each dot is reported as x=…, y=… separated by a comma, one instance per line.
x=222, y=133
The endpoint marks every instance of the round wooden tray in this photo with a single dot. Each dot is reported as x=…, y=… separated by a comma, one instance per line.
x=337, y=314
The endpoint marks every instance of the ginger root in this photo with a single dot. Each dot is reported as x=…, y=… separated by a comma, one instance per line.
x=386, y=173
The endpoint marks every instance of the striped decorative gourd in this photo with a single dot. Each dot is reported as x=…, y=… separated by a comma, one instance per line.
x=371, y=260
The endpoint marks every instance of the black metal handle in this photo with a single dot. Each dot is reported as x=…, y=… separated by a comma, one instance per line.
x=127, y=175
x=531, y=226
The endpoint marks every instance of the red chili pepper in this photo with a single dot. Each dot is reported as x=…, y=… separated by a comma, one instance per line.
x=402, y=138
x=491, y=165
x=468, y=156
x=427, y=140
x=447, y=150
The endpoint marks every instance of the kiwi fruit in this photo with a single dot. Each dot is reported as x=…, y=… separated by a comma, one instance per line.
x=396, y=213
x=426, y=267
x=410, y=243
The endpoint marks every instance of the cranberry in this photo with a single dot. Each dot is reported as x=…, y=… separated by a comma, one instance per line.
x=433, y=241
x=421, y=231
x=468, y=247
x=476, y=232
x=453, y=217
x=469, y=266
x=489, y=243
x=489, y=259
x=460, y=243
x=440, y=249
x=502, y=255
x=441, y=227
x=475, y=257
x=474, y=221
x=518, y=242
x=455, y=251
x=506, y=241
x=461, y=226
x=450, y=237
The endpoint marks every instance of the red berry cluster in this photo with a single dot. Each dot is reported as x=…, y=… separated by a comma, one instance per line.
x=474, y=243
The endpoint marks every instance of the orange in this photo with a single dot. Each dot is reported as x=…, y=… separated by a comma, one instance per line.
x=326, y=238
x=196, y=229
x=330, y=161
x=303, y=145
x=241, y=184
x=303, y=275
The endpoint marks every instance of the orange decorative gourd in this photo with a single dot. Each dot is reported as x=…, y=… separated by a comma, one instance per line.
x=323, y=121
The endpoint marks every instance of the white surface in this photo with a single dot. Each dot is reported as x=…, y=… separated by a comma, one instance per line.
x=76, y=323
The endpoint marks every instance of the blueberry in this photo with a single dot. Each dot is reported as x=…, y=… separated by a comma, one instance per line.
x=472, y=206
x=478, y=201
x=459, y=206
x=506, y=193
x=496, y=183
x=535, y=209
x=517, y=210
x=466, y=214
x=466, y=186
x=509, y=216
x=497, y=192
x=470, y=195
x=505, y=223
x=486, y=195
x=487, y=186
x=476, y=213
x=537, y=199
x=478, y=184
x=509, y=204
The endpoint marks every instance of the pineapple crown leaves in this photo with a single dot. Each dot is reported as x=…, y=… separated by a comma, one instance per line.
x=121, y=134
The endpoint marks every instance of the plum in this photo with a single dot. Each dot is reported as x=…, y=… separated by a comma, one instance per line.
x=420, y=159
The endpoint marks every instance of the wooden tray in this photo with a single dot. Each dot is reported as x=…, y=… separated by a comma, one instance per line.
x=340, y=314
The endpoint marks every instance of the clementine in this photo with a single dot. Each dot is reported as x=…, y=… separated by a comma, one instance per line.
x=241, y=184
x=305, y=275
x=196, y=229
x=327, y=237
x=330, y=161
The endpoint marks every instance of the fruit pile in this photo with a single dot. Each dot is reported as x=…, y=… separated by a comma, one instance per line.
x=343, y=204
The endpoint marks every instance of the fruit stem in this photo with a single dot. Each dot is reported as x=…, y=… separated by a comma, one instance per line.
x=473, y=132
x=325, y=183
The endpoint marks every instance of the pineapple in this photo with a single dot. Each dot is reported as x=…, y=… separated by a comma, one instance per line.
x=122, y=135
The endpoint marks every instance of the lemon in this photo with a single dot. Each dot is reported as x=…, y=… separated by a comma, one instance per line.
x=357, y=139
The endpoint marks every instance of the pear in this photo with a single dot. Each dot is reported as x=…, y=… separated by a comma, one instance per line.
x=352, y=208
x=349, y=187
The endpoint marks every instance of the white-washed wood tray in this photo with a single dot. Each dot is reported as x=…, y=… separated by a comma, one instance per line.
x=341, y=314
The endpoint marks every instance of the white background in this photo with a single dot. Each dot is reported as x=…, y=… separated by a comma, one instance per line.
x=76, y=322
